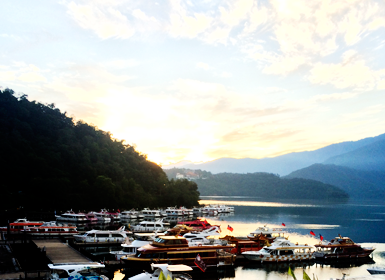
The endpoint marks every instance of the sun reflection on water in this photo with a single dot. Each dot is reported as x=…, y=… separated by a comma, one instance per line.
x=254, y=203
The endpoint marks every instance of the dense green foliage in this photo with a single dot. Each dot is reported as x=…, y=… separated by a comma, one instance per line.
x=357, y=183
x=49, y=162
x=267, y=185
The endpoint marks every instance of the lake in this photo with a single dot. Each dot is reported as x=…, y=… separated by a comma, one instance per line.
x=362, y=221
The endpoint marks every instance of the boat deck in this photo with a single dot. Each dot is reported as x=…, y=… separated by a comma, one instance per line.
x=59, y=252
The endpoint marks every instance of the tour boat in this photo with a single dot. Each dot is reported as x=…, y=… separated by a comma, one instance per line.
x=20, y=225
x=243, y=245
x=281, y=251
x=95, y=236
x=201, y=238
x=197, y=224
x=132, y=244
x=177, y=271
x=131, y=214
x=172, y=211
x=176, y=250
x=270, y=234
x=341, y=247
x=91, y=217
x=150, y=226
x=52, y=229
x=102, y=216
x=148, y=213
x=71, y=216
x=76, y=271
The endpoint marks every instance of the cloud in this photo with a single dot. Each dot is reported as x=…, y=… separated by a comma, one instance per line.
x=351, y=72
x=203, y=66
x=105, y=21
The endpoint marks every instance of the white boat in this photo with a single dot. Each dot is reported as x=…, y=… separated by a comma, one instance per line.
x=71, y=216
x=94, y=236
x=376, y=270
x=172, y=211
x=77, y=271
x=148, y=213
x=103, y=217
x=202, y=237
x=271, y=234
x=281, y=251
x=176, y=271
x=132, y=244
x=186, y=211
x=131, y=214
x=151, y=226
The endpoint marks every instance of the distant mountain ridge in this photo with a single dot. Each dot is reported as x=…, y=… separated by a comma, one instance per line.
x=285, y=164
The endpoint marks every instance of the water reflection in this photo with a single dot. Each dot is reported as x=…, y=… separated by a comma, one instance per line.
x=361, y=221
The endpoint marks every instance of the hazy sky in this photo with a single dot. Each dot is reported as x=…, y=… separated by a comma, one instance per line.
x=200, y=80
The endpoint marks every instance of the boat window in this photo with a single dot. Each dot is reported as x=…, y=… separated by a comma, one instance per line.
x=286, y=252
x=103, y=235
x=116, y=235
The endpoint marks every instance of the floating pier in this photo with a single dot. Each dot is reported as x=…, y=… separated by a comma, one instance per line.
x=59, y=252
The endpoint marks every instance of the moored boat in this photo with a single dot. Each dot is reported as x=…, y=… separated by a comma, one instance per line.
x=150, y=226
x=177, y=271
x=341, y=247
x=281, y=251
x=52, y=229
x=132, y=244
x=95, y=236
x=76, y=271
x=176, y=250
x=71, y=216
x=21, y=225
x=197, y=224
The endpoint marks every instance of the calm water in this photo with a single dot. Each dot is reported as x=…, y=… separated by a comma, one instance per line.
x=361, y=221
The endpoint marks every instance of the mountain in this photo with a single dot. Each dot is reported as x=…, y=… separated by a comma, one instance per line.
x=357, y=183
x=370, y=157
x=49, y=162
x=285, y=164
x=267, y=186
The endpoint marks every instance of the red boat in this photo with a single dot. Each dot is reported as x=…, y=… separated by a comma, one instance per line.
x=21, y=225
x=198, y=224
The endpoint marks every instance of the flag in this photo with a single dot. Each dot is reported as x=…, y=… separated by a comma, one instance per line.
x=199, y=263
x=312, y=233
x=290, y=272
x=230, y=228
x=305, y=276
x=321, y=237
x=161, y=276
x=206, y=222
x=118, y=211
x=283, y=224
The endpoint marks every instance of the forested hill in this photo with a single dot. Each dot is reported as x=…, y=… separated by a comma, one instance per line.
x=49, y=162
x=260, y=184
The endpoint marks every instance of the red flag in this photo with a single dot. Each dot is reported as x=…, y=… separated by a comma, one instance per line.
x=230, y=228
x=283, y=224
x=321, y=237
x=206, y=222
x=199, y=263
x=312, y=233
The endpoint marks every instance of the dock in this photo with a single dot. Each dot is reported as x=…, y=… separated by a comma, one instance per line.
x=59, y=252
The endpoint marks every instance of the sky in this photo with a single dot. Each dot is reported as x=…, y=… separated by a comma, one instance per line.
x=201, y=80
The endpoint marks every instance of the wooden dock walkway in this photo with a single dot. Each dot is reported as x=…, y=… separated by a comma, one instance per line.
x=59, y=252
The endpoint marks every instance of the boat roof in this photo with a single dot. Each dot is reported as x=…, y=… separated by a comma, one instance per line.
x=172, y=267
x=75, y=266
